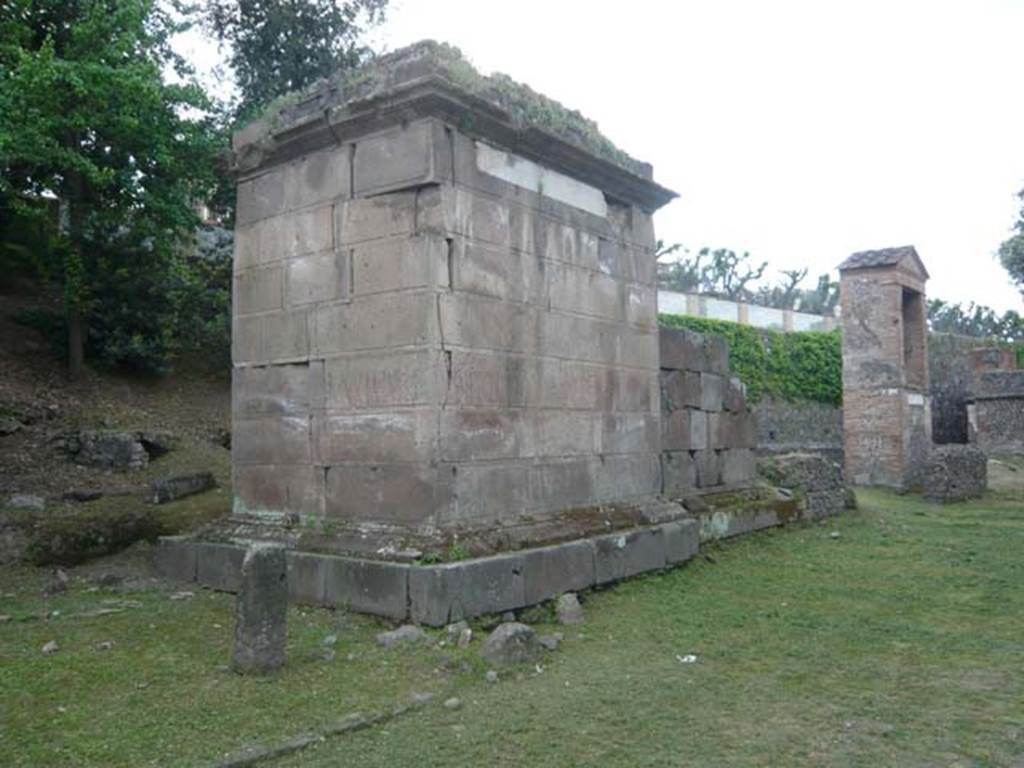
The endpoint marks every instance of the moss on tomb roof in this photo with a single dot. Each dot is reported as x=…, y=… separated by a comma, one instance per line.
x=525, y=107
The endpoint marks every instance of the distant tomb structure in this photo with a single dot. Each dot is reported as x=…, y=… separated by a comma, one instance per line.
x=995, y=411
x=886, y=416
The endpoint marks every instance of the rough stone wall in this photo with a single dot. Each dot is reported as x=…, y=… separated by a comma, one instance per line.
x=886, y=414
x=817, y=480
x=708, y=432
x=424, y=344
x=996, y=416
x=951, y=366
x=955, y=473
x=785, y=426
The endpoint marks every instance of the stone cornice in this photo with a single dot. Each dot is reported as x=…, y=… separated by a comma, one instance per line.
x=319, y=121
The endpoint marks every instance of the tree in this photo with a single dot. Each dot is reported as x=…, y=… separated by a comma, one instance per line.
x=87, y=120
x=975, y=320
x=1011, y=252
x=279, y=46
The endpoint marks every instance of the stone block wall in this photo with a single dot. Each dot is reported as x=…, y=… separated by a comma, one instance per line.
x=434, y=336
x=708, y=433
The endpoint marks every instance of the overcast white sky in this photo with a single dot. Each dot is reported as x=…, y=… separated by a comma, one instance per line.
x=798, y=130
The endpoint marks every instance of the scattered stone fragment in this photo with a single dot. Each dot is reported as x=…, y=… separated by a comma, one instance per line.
x=454, y=631
x=491, y=676
x=453, y=703
x=329, y=654
x=419, y=699
x=106, y=645
x=551, y=642
x=568, y=609
x=511, y=643
x=407, y=634
x=4, y=618
x=51, y=647
x=465, y=638
x=110, y=580
x=184, y=595
x=834, y=534
x=261, y=623
x=180, y=486
x=58, y=583
x=330, y=641
x=26, y=501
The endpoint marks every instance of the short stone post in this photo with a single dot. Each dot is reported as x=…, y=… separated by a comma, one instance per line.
x=261, y=618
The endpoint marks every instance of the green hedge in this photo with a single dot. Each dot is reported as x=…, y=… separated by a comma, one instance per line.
x=803, y=365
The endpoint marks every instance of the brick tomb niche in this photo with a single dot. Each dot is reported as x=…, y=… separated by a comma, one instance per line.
x=445, y=327
x=886, y=412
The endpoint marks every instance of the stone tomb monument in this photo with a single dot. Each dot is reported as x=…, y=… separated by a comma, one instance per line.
x=445, y=327
x=886, y=415
x=448, y=393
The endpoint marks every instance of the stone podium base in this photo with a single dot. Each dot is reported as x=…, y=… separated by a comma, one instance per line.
x=437, y=594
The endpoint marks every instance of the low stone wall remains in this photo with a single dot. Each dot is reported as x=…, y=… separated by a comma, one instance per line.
x=955, y=473
x=806, y=426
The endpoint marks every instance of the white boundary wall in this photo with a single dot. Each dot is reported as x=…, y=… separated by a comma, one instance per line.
x=713, y=308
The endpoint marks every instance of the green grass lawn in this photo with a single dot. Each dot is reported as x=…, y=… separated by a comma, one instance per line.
x=900, y=643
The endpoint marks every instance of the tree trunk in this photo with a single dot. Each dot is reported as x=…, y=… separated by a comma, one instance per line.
x=76, y=345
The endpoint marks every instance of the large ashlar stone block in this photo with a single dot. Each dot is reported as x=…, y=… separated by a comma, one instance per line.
x=318, y=278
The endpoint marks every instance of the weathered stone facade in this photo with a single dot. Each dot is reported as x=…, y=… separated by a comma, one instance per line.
x=708, y=432
x=434, y=335
x=886, y=416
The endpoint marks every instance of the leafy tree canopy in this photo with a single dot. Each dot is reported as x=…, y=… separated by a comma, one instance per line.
x=108, y=155
x=278, y=46
x=1011, y=252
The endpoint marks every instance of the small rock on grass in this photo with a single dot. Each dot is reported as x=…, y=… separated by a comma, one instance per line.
x=407, y=634
x=182, y=595
x=421, y=698
x=491, y=676
x=330, y=641
x=51, y=647
x=453, y=703
x=550, y=642
x=465, y=638
x=455, y=630
x=106, y=645
x=511, y=643
x=568, y=609
x=834, y=534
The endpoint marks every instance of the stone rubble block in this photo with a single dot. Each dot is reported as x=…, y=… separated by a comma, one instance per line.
x=180, y=486
x=511, y=643
x=955, y=473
